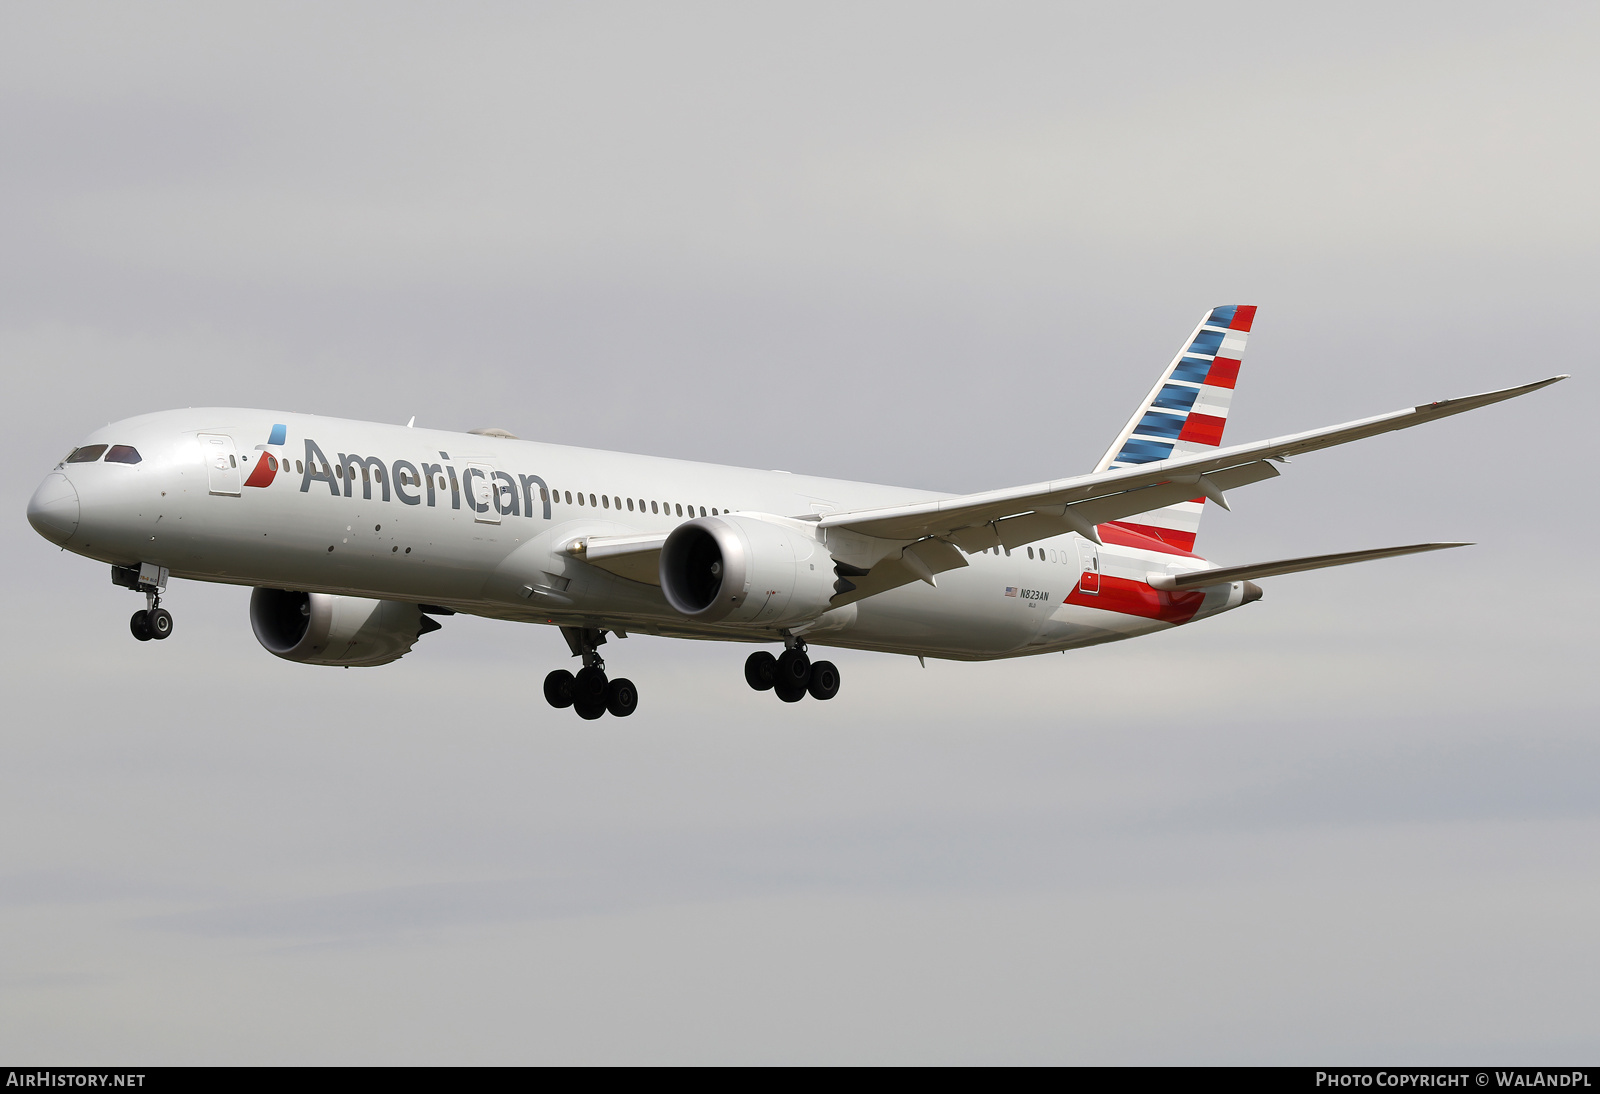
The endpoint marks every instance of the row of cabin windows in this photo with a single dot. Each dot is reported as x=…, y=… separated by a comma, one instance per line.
x=602, y=501
x=1055, y=556
x=119, y=453
x=613, y=502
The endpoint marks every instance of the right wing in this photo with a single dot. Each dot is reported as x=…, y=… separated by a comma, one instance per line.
x=930, y=532
x=1022, y=514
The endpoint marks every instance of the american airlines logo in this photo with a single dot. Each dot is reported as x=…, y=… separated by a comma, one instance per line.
x=481, y=487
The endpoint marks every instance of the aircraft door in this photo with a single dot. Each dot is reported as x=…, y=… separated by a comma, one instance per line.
x=483, y=493
x=1088, y=568
x=222, y=464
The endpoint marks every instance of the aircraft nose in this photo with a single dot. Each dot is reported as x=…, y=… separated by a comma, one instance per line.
x=53, y=509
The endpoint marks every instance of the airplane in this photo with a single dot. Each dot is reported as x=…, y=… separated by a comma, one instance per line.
x=356, y=537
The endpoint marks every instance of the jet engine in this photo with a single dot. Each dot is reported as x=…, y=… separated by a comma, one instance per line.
x=323, y=629
x=765, y=571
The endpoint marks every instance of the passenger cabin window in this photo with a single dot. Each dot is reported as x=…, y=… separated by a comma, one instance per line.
x=87, y=454
x=299, y=467
x=580, y=497
x=569, y=497
x=653, y=507
x=123, y=453
x=630, y=505
x=680, y=510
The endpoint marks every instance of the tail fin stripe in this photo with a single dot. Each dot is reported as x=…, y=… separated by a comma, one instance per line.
x=1136, y=451
x=1177, y=398
x=1192, y=369
x=1186, y=412
x=1203, y=429
x=1224, y=373
x=1157, y=424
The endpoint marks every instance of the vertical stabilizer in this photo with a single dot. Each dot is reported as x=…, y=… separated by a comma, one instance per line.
x=1184, y=415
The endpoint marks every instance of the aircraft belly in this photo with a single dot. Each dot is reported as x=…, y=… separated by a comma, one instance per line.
x=1076, y=625
x=968, y=614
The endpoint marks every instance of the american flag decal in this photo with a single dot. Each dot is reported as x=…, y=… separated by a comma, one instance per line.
x=1011, y=590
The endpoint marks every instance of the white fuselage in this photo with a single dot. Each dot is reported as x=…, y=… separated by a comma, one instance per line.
x=406, y=525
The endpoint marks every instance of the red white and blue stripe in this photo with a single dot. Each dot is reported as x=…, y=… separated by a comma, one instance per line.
x=1184, y=415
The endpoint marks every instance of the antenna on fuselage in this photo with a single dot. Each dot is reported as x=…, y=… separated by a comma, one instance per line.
x=412, y=422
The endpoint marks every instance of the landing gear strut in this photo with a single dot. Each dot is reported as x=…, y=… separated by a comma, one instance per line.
x=792, y=675
x=588, y=691
x=153, y=621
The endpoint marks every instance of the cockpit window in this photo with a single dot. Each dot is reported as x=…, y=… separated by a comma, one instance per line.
x=87, y=454
x=123, y=453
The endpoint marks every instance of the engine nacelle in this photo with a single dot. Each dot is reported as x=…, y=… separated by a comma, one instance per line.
x=762, y=571
x=323, y=629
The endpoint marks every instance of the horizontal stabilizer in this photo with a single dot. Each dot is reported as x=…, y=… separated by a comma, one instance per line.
x=1228, y=574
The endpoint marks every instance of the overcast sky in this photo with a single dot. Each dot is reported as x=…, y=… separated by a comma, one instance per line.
x=948, y=246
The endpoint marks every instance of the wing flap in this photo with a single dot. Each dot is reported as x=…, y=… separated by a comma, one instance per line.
x=921, y=561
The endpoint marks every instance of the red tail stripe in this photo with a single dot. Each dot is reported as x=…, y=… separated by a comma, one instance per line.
x=1203, y=429
x=1119, y=594
x=1166, y=540
x=1243, y=316
x=1224, y=373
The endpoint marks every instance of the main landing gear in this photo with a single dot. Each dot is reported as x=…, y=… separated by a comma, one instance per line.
x=588, y=691
x=792, y=675
x=153, y=621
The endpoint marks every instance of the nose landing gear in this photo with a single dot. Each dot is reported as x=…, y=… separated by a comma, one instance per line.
x=589, y=691
x=151, y=623
x=154, y=621
x=792, y=675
